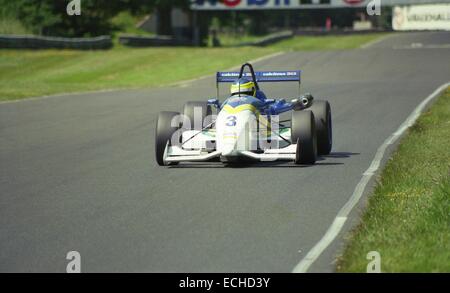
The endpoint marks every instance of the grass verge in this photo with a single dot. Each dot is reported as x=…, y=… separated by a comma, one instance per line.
x=35, y=73
x=408, y=217
x=27, y=73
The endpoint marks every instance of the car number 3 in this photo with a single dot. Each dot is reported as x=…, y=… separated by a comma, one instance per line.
x=231, y=121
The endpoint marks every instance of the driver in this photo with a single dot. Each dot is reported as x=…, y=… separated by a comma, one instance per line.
x=243, y=86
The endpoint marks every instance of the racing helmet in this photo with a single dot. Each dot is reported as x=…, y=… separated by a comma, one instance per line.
x=243, y=86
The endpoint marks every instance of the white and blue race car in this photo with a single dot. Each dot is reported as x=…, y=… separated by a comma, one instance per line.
x=247, y=125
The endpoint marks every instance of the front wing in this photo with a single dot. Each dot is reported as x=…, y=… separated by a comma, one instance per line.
x=196, y=147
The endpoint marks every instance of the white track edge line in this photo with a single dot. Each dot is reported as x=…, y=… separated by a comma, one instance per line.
x=341, y=218
x=376, y=41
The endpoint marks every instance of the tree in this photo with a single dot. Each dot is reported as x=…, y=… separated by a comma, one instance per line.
x=49, y=17
x=35, y=15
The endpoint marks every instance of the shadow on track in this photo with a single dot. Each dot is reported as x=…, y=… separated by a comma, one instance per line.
x=340, y=155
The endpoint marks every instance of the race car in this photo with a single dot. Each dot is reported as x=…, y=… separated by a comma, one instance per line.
x=247, y=125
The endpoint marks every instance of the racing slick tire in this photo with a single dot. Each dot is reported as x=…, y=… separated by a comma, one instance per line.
x=303, y=132
x=189, y=110
x=163, y=135
x=322, y=116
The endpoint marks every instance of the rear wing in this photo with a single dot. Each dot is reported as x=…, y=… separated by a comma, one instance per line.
x=260, y=76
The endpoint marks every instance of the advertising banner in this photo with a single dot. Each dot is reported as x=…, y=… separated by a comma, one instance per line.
x=421, y=17
x=273, y=4
x=299, y=4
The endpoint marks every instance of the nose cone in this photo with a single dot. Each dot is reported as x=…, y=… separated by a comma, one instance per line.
x=233, y=131
x=228, y=142
x=228, y=150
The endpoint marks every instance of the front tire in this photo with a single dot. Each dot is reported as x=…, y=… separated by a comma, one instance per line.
x=303, y=132
x=166, y=126
x=322, y=116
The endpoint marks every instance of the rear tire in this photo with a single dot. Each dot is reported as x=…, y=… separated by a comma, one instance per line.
x=163, y=134
x=322, y=116
x=304, y=134
x=189, y=111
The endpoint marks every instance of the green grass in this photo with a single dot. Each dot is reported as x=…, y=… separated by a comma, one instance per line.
x=125, y=23
x=408, y=217
x=305, y=43
x=35, y=73
x=230, y=39
x=28, y=73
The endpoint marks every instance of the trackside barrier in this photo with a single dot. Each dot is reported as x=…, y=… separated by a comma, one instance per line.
x=336, y=32
x=42, y=42
x=270, y=39
x=156, y=41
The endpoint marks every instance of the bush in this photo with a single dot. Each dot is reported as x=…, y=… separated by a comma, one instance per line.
x=12, y=26
x=49, y=17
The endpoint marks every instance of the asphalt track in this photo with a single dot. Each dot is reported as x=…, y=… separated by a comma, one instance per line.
x=78, y=171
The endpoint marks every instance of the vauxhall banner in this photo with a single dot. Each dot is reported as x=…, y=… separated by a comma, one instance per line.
x=421, y=17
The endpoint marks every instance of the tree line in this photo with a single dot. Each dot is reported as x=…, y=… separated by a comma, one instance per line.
x=49, y=17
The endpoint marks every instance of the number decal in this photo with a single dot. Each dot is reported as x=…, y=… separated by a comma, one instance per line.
x=231, y=121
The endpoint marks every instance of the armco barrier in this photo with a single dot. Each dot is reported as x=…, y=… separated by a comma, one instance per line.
x=336, y=32
x=270, y=39
x=41, y=42
x=157, y=41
